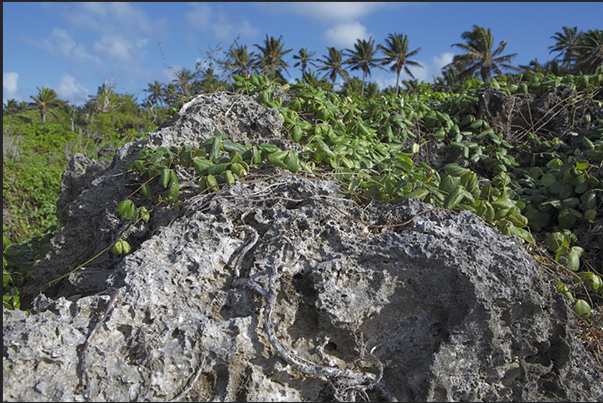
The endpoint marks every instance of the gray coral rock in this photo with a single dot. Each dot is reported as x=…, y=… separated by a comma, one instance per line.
x=447, y=307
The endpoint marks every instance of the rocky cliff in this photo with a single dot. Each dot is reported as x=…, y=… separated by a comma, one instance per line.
x=277, y=289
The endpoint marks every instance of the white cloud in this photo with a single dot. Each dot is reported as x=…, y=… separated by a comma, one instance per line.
x=116, y=48
x=440, y=61
x=328, y=11
x=433, y=68
x=166, y=75
x=386, y=81
x=126, y=18
x=421, y=74
x=60, y=43
x=116, y=35
x=129, y=16
x=199, y=17
x=9, y=81
x=345, y=35
x=68, y=90
x=9, y=85
x=120, y=27
x=121, y=53
x=225, y=26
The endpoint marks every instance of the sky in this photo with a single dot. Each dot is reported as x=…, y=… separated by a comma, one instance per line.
x=74, y=48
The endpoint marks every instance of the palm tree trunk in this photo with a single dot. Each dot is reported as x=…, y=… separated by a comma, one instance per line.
x=485, y=73
x=397, y=81
x=362, y=88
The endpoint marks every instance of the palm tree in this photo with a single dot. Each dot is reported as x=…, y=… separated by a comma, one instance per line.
x=304, y=58
x=45, y=101
x=10, y=107
x=396, y=52
x=333, y=64
x=156, y=92
x=566, y=44
x=310, y=78
x=363, y=58
x=479, y=55
x=590, y=51
x=271, y=61
x=242, y=61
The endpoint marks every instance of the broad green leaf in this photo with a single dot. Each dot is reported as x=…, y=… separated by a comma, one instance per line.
x=554, y=163
x=503, y=202
x=455, y=169
x=146, y=191
x=582, y=165
x=418, y=193
x=548, y=180
x=215, y=148
x=454, y=198
x=122, y=208
x=292, y=161
x=202, y=165
x=449, y=183
x=144, y=213
x=173, y=194
x=555, y=241
x=165, y=177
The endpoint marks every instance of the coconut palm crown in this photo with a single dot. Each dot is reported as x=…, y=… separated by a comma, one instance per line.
x=479, y=56
x=362, y=57
x=46, y=101
x=397, y=53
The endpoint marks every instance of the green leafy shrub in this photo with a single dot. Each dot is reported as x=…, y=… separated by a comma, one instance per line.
x=526, y=182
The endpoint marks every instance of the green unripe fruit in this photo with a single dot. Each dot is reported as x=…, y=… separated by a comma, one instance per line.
x=591, y=280
x=125, y=246
x=117, y=248
x=582, y=309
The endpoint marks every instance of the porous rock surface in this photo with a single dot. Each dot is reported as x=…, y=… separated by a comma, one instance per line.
x=450, y=308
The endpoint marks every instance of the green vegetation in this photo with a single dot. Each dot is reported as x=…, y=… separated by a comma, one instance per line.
x=38, y=141
x=46, y=101
x=480, y=57
x=375, y=149
x=396, y=52
x=521, y=178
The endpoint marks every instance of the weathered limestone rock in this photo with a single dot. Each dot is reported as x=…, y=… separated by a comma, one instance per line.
x=88, y=199
x=450, y=308
x=241, y=118
x=80, y=171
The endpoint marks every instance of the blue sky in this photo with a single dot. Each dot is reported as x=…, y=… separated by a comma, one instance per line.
x=74, y=48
